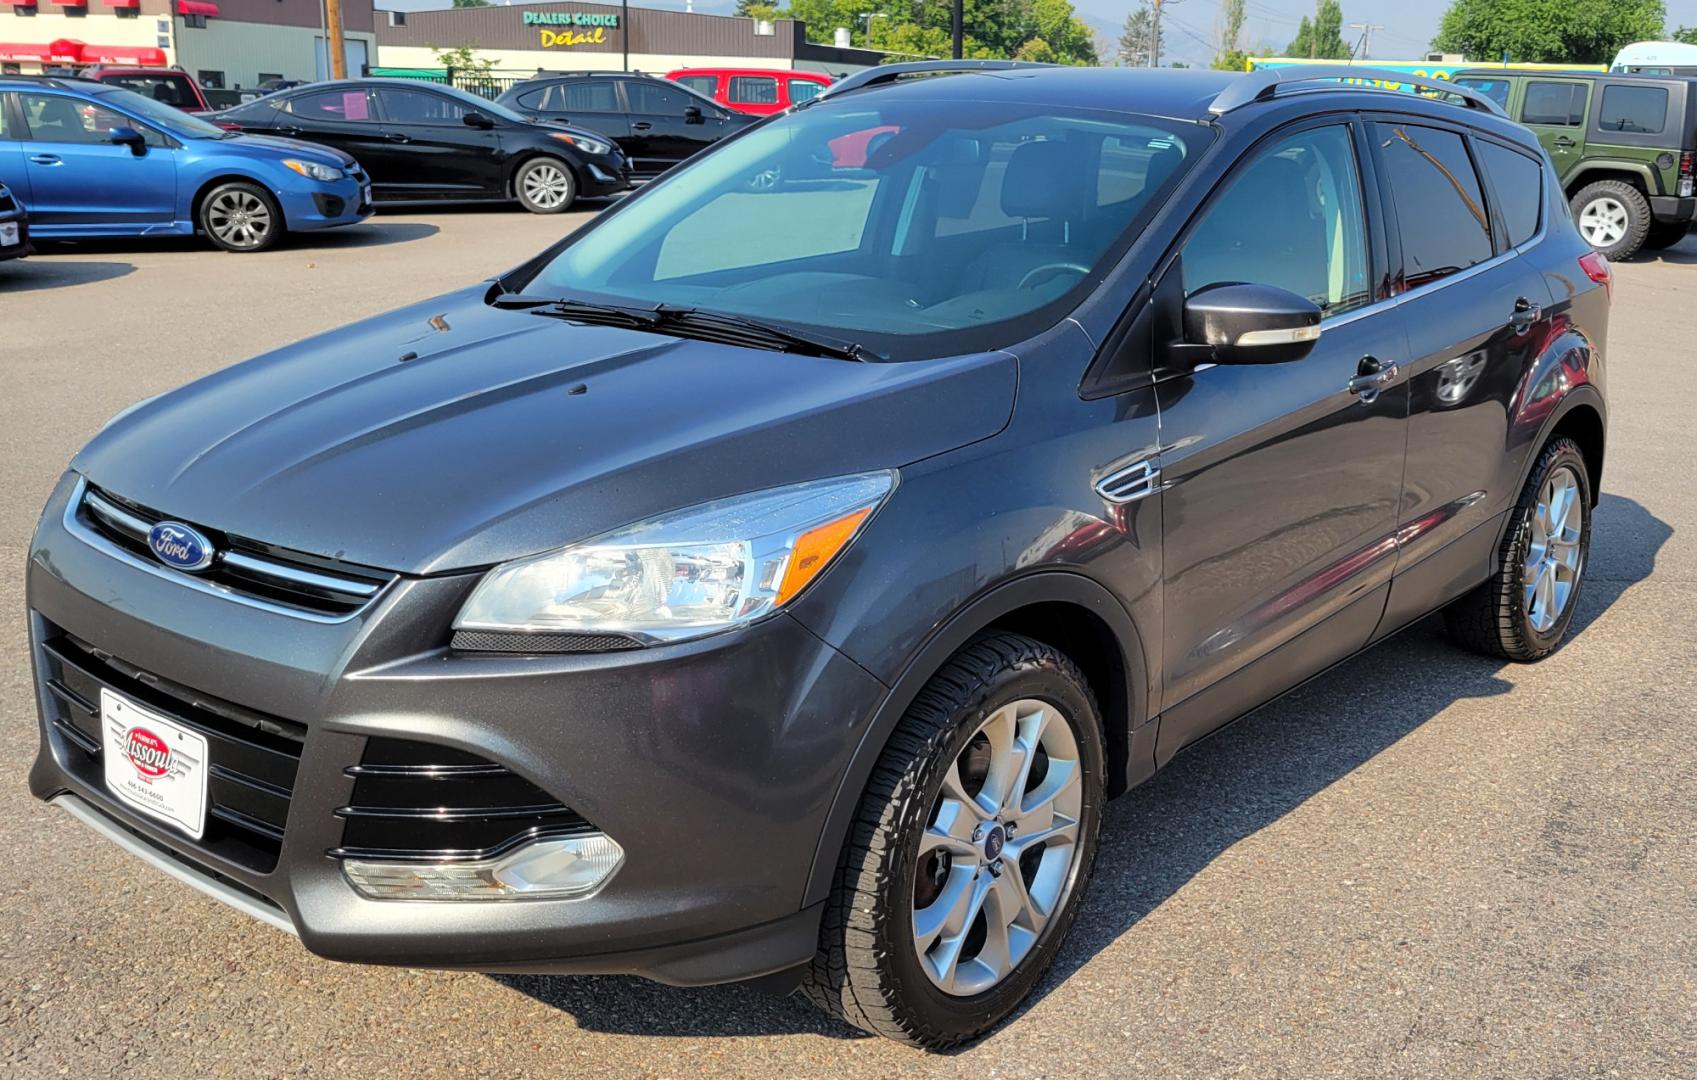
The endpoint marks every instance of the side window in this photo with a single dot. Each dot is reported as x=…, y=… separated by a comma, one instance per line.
x=68, y=120
x=1495, y=89
x=803, y=90
x=421, y=107
x=585, y=96
x=707, y=85
x=1558, y=103
x=1639, y=109
x=1293, y=219
x=754, y=90
x=650, y=96
x=332, y=106
x=1439, y=206
x=1518, y=183
x=542, y=99
x=8, y=130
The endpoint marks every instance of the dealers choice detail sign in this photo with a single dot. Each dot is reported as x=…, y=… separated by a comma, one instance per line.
x=573, y=27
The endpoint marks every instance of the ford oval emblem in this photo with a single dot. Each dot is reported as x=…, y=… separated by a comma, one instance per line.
x=178, y=545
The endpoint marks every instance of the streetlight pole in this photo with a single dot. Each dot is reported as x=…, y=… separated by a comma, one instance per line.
x=624, y=29
x=956, y=28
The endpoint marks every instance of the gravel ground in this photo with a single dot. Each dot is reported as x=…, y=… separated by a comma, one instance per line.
x=1423, y=864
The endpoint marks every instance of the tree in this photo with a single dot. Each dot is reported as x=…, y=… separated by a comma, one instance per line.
x=471, y=3
x=1140, y=41
x=464, y=60
x=1055, y=25
x=1548, y=31
x=1321, y=38
x=1685, y=34
x=1231, y=56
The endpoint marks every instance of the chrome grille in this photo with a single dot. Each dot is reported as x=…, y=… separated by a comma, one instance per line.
x=291, y=581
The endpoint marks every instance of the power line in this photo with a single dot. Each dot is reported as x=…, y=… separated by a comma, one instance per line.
x=1364, y=47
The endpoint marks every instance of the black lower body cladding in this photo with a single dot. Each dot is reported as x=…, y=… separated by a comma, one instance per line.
x=737, y=742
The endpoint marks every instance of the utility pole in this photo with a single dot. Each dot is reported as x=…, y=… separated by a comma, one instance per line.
x=1364, y=47
x=624, y=29
x=333, y=39
x=958, y=31
x=1155, y=34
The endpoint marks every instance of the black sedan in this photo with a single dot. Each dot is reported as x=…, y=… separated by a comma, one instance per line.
x=14, y=226
x=424, y=142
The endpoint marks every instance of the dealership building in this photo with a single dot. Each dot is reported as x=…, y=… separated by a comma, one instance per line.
x=598, y=37
x=222, y=43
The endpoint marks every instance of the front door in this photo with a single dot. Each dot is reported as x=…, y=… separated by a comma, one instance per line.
x=591, y=103
x=78, y=177
x=667, y=125
x=430, y=150
x=1554, y=109
x=1280, y=481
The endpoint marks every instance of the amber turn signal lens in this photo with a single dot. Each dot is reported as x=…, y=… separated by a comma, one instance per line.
x=814, y=550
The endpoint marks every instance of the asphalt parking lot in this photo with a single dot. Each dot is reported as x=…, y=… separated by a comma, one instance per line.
x=1422, y=864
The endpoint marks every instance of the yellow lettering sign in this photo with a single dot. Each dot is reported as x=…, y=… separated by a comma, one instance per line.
x=555, y=39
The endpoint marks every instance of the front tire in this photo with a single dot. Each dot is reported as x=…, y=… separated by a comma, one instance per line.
x=1613, y=216
x=544, y=185
x=969, y=855
x=1525, y=608
x=241, y=216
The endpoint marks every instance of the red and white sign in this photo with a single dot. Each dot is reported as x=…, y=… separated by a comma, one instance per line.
x=154, y=764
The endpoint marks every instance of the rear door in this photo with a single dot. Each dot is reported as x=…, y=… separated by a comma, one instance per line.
x=78, y=177
x=430, y=152
x=1475, y=314
x=1554, y=110
x=340, y=116
x=667, y=124
x=592, y=104
x=12, y=134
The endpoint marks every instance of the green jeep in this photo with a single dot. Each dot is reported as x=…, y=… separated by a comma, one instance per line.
x=1622, y=145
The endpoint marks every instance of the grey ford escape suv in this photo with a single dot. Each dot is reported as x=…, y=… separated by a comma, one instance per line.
x=773, y=579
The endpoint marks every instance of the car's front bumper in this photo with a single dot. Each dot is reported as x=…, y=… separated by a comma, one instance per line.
x=312, y=204
x=712, y=763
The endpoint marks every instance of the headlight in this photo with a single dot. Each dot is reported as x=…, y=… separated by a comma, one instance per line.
x=312, y=170
x=685, y=574
x=587, y=145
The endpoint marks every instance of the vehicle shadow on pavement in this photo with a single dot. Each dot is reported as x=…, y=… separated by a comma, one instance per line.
x=28, y=275
x=368, y=233
x=1215, y=794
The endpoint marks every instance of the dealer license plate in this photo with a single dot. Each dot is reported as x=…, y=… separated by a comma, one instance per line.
x=9, y=234
x=154, y=764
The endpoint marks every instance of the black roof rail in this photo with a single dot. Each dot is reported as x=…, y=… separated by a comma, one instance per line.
x=887, y=73
x=1264, y=84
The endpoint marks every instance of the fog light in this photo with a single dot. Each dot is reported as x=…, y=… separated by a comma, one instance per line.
x=551, y=869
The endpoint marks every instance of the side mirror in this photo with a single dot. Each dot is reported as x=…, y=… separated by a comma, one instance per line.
x=482, y=121
x=692, y=114
x=1250, y=324
x=130, y=137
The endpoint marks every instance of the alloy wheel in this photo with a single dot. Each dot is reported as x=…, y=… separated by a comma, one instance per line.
x=999, y=855
x=546, y=186
x=239, y=218
x=1604, y=221
x=1553, y=559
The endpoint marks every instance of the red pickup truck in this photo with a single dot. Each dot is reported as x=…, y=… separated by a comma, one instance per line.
x=171, y=86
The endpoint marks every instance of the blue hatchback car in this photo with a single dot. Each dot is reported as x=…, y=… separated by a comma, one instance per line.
x=94, y=160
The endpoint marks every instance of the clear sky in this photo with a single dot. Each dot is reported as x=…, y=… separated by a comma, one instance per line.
x=1191, y=24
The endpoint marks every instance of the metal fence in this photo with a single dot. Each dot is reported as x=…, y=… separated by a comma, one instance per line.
x=489, y=84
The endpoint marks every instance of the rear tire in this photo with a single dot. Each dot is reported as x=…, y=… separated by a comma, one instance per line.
x=544, y=185
x=1613, y=216
x=1525, y=608
x=242, y=217
x=942, y=918
x=1663, y=235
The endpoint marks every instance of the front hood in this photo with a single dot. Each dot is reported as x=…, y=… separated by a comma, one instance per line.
x=451, y=434
x=278, y=148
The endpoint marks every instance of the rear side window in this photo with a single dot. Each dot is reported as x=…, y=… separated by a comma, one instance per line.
x=1291, y=219
x=1557, y=103
x=754, y=90
x=1495, y=89
x=803, y=90
x=1518, y=183
x=332, y=105
x=1440, y=209
x=1639, y=109
x=590, y=95
x=701, y=84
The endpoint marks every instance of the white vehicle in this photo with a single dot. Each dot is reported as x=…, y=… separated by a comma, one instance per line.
x=1657, y=58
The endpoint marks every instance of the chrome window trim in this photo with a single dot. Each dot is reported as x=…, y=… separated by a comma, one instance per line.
x=73, y=524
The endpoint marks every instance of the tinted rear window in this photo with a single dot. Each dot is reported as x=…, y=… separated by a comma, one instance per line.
x=1495, y=89
x=1553, y=103
x=174, y=90
x=1517, y=181
x=701, y=84
x=1639, y=109
x=1440, y=209
x=754, y=90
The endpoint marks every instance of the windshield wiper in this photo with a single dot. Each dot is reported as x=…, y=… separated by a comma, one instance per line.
x=732, y=329
x=582, y=311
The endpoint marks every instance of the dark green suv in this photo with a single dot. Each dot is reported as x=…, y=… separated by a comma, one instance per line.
x=1622, y=145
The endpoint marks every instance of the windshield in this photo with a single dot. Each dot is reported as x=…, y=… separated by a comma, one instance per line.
x=175, y=121
x=917, y=228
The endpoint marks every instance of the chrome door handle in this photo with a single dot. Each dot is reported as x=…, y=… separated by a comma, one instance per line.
x=1367, y=385
x=46, y=159
x=642, y=125
x=397, y=137
x=1526, y=313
